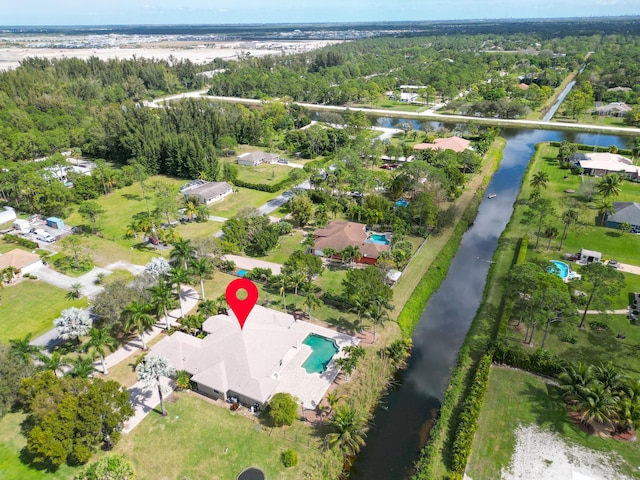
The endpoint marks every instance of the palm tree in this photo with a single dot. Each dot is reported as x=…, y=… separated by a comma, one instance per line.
x=605, y=208
x=625, y=227
x=81, y=367
x=610, y=378
x=296, y=279
x=162, y=298
x=53, y=362
x=149, y=372
x=202, y=268
x=350, y=428
x=596, y=403
x=22, y=348
x=569, y=217
x=99, y=341
x=378, y=314
x=221, y=303
x=74, y=291
x=281, y=283
x=182, y=252
x=609, y=185
x=550, y=232
x=540, y=180
x=208, y=308
x=137, y=317
x=350, y=253
x=311, y=301
x=178, y=276
x=9, y=273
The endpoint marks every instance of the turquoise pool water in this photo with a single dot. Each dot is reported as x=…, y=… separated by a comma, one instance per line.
x=560, y=268
x=402, y=203
x=322, y=351
x=242, y=273
x=379, y=238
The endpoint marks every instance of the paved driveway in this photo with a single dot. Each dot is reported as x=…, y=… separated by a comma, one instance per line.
x=87, y=281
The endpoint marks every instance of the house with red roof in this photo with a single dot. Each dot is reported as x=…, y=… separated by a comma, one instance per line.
x=338, y=235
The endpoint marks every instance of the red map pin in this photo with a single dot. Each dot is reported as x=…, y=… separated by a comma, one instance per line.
x=242, y=308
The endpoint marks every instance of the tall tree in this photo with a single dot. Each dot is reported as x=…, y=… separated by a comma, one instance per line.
x=605, y=208
x=569, y=217
x=99, y=342
x=350, y=427
x=182, y=253
x=162, y=298
x=137, y=317
x=540, y=180
x=605, y=283
x=179, y=276
x=92, y=211
x=609, y=185
x=150, y=371
x=202, y=268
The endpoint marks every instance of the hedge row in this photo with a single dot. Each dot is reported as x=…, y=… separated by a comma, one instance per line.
x=425, y=465
x=20, y=241
x=539, y=361
x=521, y=250
x=264, y=187
x=468, y=419
x=590, y=148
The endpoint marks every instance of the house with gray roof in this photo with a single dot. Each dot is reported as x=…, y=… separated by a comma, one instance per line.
x=253, y=159
x=625, y=212
x=614, y=109
x=206, y=192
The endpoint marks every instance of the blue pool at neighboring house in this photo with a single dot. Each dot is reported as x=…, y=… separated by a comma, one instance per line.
x=560, y=268
x=378, y=238
x=322, y=351
x=242, y=273
x=402, y=203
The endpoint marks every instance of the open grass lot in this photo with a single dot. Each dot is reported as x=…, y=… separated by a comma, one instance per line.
x=171, y=448
x=11, y=443
x=287, y=244
x=30, y=306
x=515, y=397
x=244, y=197
x=587, y=233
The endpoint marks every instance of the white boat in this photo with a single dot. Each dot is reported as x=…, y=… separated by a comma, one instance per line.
x=491, y=195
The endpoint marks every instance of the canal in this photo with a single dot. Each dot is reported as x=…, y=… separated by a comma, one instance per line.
x=400, y=426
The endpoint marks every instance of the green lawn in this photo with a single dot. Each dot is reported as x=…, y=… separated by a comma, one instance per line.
x=30, y=307
x=587, y=233
x=517, y=398
x=171, y=448
x=592, y=346
x=11, y=444
x=245, y=197
x=286, y=246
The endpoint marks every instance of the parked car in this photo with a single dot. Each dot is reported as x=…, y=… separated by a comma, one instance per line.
x=44, y=236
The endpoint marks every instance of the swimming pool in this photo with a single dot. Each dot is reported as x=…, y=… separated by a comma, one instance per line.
x=242, y=273
x=402, y=203
x=560, y=268
x=322, y=351
x=378, y=238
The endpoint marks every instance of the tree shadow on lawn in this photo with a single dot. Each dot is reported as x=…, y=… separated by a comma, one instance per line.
x=547, y=406
x=613, y=234
x=132, y=196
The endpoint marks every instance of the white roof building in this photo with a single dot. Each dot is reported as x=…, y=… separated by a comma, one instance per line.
x=256, y=362
x=603, y=162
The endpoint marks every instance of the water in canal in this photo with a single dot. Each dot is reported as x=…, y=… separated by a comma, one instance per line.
x=401, y=424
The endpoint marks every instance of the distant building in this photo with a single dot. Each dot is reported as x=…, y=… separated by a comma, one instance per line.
x=408, y=97
x=206, y=192
x=614, y=109
x=456, y=144
x=619, y=89
x=601, y=163
x=253, y=159
x=21, y=260
x=8, y=214
x=625, y=212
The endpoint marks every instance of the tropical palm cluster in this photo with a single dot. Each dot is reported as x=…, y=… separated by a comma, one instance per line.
x=602, y=394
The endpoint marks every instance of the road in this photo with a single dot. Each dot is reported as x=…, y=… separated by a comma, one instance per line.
x=427, y=114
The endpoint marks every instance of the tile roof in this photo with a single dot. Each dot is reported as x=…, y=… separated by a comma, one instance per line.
x=18, y=258
x=456, y=144
x=338, y=235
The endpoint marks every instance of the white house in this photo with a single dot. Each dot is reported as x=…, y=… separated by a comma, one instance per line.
x=253, y=159
x=207, y=192
x=21, y=260
x=599, y=164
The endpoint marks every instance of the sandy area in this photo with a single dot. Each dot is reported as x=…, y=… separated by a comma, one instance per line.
x=544, y=455
x=202, y=53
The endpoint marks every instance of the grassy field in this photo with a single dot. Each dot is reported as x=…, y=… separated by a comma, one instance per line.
x=286, y=246
x=30, y=306
x=224, y=444
x=244, y=197
x=587, y=233
x=517, y=398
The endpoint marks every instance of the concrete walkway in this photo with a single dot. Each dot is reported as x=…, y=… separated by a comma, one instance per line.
x=627, y=268
x=87, y=281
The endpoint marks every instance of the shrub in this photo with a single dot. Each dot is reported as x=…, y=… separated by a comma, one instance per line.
x=20, y=241
x=111, y=467
x=567, y=332
x=283, y=409
x=290, y=458
x=599, y=326
x=183, y=380
x=521, y=250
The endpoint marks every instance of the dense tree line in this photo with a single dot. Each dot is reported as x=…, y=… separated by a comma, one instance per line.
x=364, y=70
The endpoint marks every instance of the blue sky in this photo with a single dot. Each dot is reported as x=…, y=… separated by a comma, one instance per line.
x=100, y=12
